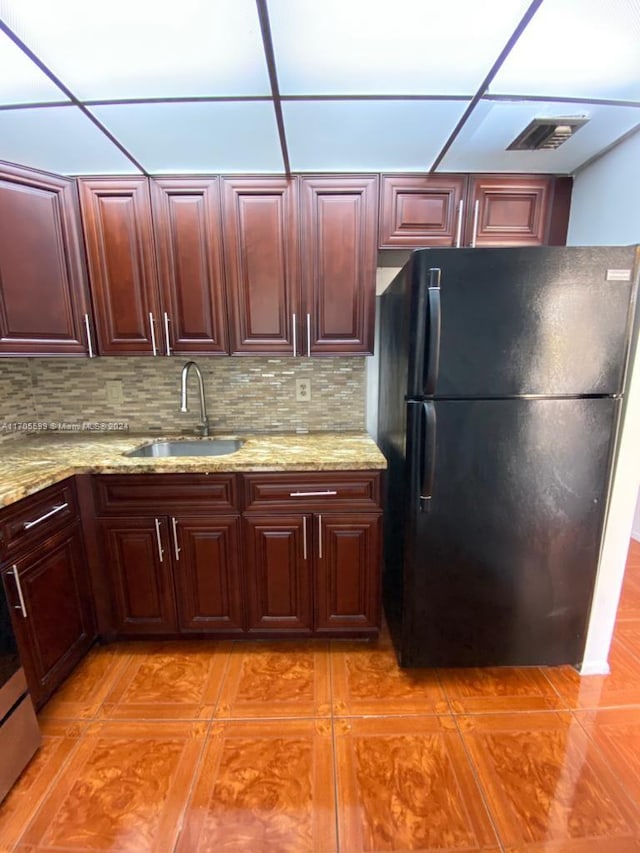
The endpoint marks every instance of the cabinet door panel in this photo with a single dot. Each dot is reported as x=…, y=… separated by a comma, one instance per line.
x=189, y=248
x=278, y=575
x=119, y=238
x=512, y=211
x=42, y=268
x=420, y=211
x=58, y=628
x=339, y=263
x=207, y=573
x=347, y=574
x=261, y=254
x=140, y=574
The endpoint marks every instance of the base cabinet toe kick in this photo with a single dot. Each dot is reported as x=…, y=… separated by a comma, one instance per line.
x=239, y=555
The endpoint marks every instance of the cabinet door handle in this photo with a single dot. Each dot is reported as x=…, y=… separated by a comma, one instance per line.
x=304, y=536
x=153, y=334
x=476, y=214
x=293, y=335
x=327, y=492
x=308, y=335
x=89, y=343
x=29, y=524
x=166, y=333
x=459, y=227
x=320, y=536
x=176, y=547
x=160, y=551
x=14, y=571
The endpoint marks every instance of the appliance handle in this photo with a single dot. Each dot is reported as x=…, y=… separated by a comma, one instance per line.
x=435, y=313
x=428, y=454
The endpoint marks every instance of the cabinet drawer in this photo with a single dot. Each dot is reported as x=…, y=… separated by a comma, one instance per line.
x=117, y=494
x=34, y=519
x=355, y=490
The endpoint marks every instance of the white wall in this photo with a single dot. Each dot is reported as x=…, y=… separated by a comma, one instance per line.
x=635, y=532
x=605, y=210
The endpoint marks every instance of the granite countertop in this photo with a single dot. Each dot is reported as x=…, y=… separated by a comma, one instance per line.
x=33, y=462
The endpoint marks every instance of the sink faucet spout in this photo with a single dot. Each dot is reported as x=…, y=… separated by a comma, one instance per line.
x=204, y=420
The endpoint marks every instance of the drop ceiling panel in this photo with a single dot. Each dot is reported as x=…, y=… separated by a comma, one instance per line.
x=480, y=146
x=145, y=48
x=402, y=47
x=344, y=136
x=59, y=139
x=21, y=81
x=197, y=137
x=585, y=49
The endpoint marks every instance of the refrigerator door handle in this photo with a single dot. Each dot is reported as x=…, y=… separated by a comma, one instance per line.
x=428, y=461
x=433, y=353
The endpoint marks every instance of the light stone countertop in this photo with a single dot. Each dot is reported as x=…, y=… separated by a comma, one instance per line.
x=33, y=462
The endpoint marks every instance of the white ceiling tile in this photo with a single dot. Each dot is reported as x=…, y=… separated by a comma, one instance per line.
x=404, y=47
x=59, y=139
x=345, y=136
x=219, y=136
x=480, y=146
x=145, y=48
x=21, y=81
x=576, y=49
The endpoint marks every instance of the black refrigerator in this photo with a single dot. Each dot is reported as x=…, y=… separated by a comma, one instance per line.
x=501, y=384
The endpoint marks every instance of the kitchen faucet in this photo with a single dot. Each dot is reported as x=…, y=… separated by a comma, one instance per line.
x=204, y=425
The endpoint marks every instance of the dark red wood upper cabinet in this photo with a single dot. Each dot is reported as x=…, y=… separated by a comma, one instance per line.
x=338, y=262
x=261, y=260
x=508, y=210
x=421, y=210
x=186, y=218
x=119, y=238
x=43, y=282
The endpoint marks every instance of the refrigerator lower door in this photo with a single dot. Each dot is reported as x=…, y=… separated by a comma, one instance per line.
x=500, y=562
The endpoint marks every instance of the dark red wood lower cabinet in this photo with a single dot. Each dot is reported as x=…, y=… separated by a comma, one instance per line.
x=278, y=563
x=207, y=573
x=138, y=561
x=54, y=622
x=347, y=585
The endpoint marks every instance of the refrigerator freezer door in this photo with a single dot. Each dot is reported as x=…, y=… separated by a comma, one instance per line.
x=501, y=569
x=546, y=321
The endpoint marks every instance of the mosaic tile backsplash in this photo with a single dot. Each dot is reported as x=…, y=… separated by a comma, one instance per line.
x=243, y=394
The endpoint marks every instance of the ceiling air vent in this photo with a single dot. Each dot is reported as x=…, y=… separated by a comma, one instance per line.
x=547, y=133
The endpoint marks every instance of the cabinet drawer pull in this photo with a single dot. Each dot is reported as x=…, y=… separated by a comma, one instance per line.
x=293, y=335
x=176, y=547
x=308, y=335
x=304, y=536
x=14, y=571
x=320, y=536
x=29, y=524
x=160, y=551
x=326, y=493
x=153, y=333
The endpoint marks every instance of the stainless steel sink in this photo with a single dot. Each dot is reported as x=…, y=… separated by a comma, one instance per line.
x=186, y=447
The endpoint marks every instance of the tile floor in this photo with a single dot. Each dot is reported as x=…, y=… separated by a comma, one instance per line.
x=325, y=746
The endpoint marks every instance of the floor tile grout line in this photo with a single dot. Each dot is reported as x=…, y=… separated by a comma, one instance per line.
x=633, y=806
x=479, y=784
x=50, y=786
x=192, y=786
